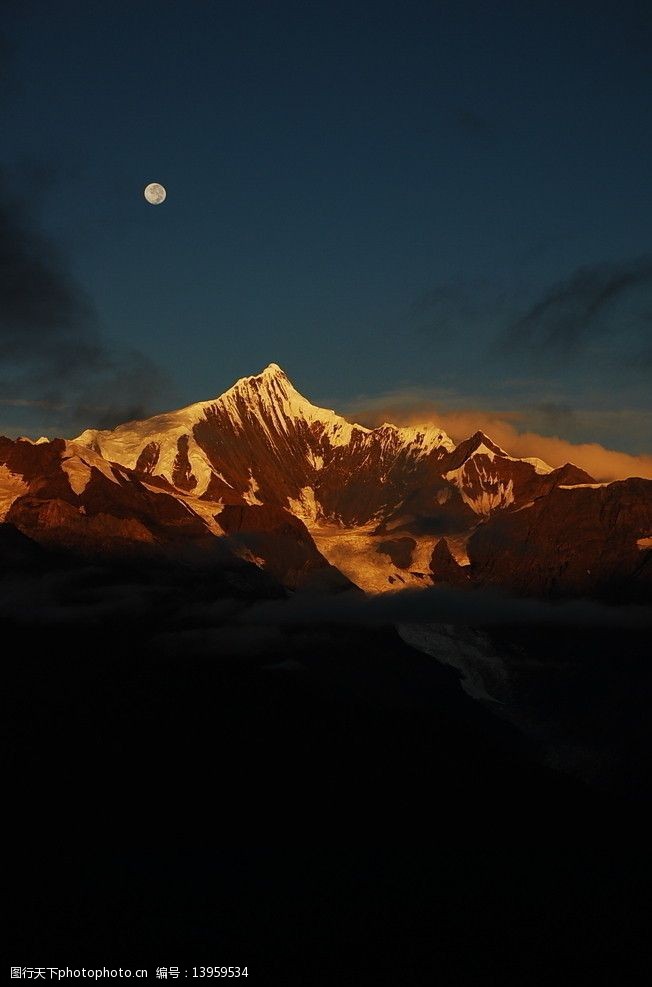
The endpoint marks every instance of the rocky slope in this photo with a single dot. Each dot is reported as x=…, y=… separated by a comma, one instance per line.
x=267, y=477
x=263, y=442
x=65, y=496
x=588, y=539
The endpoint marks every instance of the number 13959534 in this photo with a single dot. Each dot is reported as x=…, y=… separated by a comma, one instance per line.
x=219, y=971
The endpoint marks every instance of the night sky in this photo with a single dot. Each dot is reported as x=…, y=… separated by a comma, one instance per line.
x=397, y=202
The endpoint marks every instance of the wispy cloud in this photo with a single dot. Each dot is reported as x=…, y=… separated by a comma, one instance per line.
x=601, y=309
x=471, y=121
x=27, y=403
x=571, y=312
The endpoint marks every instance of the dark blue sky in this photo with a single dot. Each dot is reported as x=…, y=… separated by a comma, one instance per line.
x=377, y=196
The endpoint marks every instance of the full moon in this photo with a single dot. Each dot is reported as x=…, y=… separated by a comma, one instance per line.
x=155, y=193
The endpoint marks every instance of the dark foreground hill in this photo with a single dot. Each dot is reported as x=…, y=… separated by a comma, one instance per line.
x=318, y=801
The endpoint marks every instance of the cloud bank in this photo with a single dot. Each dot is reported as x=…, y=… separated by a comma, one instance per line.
x=508, y=428
x=446, y=605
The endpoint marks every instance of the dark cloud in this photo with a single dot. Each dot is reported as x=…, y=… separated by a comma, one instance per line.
x=480, y=608
x=457, y=299
x=471, y=121
x=184, y=602
x=39, y=302
x=572, y=312
x=459, y=309
x=52, y=349
x=603, y=309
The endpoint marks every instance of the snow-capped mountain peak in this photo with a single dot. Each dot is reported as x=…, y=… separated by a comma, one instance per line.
x=248, y=467
x=259, y=435
x=271, y=393
x=263, y=442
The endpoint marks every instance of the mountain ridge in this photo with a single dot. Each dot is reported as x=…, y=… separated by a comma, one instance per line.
x=302, y=493
x=263, y=441
x=269, y=398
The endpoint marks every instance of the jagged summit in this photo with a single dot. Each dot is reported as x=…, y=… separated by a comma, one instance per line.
x=272, y=392
x=279, y=433
x=481, y=438
x=262, y=441
x=267, y=377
